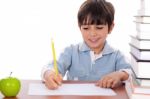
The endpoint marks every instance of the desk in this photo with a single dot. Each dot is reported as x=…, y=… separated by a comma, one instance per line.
x=23, y=94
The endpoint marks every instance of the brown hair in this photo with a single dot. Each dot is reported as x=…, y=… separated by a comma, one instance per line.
x=96, y=12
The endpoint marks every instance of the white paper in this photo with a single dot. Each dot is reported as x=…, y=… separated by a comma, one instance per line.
x=70, y=89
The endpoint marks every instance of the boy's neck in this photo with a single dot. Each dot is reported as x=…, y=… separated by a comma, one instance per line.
x=98, y=50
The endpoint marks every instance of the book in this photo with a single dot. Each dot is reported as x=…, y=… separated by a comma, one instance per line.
x=141, y=68
x=136, y=92
x=143, y=12
x=140, y=82
x=140, y=43
x=142, y=27
x=140, y=54
x=143, y=35
x=143, y=82
x=142, y=19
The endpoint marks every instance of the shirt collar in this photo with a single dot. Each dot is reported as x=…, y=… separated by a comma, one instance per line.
x=83, y=47
x=106, y=50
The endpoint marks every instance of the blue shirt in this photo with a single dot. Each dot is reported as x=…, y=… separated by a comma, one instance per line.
x=77, y=63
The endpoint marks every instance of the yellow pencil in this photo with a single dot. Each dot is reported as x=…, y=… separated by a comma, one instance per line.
x=54, y=57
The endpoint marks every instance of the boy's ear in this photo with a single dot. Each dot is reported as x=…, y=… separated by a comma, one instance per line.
x=111, y=27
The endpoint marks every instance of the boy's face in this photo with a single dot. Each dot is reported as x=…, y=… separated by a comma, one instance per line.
x=95, y=36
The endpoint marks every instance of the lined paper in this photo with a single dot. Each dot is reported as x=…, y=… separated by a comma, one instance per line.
x=70, y=89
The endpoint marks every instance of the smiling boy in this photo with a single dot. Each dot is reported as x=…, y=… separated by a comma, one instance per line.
x=93, y=59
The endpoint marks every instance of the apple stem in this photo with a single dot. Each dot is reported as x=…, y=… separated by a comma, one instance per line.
x=10, y=74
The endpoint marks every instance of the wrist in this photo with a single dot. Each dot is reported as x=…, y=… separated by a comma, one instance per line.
x=123, y=75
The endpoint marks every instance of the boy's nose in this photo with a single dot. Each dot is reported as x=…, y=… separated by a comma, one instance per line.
x=92, y=33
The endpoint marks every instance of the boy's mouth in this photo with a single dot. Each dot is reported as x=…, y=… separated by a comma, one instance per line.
x=94, y=40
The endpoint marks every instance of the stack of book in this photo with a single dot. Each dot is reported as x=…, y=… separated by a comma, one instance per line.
x=139, y=86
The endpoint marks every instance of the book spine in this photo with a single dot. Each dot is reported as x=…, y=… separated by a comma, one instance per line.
x=142, y=27
x=143, y=35
x=139, y=43
x=140, y=54
x=140, y=67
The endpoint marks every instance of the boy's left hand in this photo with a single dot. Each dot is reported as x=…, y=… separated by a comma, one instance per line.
x=111, y=80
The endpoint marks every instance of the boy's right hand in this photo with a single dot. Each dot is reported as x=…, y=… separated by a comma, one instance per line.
x=52, y=81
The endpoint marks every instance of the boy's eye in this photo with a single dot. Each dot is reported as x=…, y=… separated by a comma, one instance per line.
x=85, y=28
x=99, y=27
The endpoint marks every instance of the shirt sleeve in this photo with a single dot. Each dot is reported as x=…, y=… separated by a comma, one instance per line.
x=129, y=72
x=63, y=63
x=123, y=64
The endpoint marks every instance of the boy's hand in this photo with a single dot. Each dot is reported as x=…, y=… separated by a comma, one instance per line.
x=112, y=80
x=52, y=81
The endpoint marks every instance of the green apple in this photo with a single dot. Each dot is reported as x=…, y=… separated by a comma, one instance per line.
x=10, y=86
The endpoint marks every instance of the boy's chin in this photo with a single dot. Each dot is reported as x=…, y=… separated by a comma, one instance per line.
x=95, y=48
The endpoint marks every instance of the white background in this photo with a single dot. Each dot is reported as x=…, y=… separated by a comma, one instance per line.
x=26, y=28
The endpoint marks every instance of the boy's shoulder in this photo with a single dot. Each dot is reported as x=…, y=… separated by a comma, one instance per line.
x=108, y=48
x=117, y=51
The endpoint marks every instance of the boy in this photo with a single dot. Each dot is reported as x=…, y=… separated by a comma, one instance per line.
x=94, y=59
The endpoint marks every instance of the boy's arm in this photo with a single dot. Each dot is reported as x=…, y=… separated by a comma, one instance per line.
x=122, y=73
x=123, y=65
x=63, y=63
x=126, y=74
x=113, y=79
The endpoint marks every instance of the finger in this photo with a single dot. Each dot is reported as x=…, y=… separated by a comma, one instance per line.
x=50, y=82
x=101, y=82
x=98, y=83
x=49, y=86
x=58, y=79
x=114, y=84
x=53, y=84
x=109, y=83
x=104, y=83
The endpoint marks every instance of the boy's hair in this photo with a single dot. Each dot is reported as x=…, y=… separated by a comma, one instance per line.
x=96, y=12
